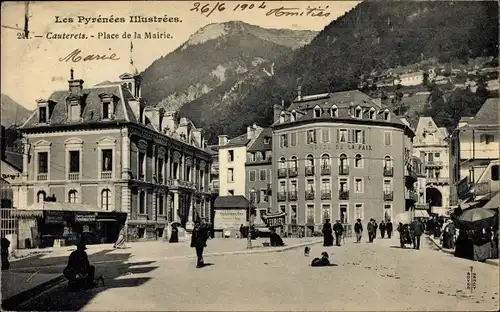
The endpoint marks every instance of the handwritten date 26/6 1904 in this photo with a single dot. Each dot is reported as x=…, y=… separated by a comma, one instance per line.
x=209, y=8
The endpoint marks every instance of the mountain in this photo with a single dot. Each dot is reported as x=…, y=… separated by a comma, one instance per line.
x=372, y=36
x=13, y=113
x=215, y=59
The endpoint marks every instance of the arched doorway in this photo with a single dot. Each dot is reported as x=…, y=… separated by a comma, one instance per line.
x=434, y=197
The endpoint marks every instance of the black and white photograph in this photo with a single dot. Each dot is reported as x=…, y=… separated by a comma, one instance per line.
x=249, y=155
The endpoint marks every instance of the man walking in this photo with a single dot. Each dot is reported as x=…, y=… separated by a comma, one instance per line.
x=418, y=230
x=382, y=229
x=358, y=229
x=198, y=240
x=339, y=230
x=388, y=228
x=371, y=230
x=375, y=225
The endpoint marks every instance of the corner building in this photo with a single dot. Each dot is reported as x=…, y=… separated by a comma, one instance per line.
x=340, y=156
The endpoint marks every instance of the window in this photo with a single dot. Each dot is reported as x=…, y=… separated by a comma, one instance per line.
x=40, y=196
x=267, y=140
x=161, y=210
x=387, y=138
x=387, y=186
x=325, y=208
x=282, y=186
x=251, y=157
x=105, y=199
x=107, y=159
x=387, y=212
x=160, y=169
x=358, y=185
x=293, y=139
x=359, y=211
x=343, y=186
x=358, y=113
x=43, y=162
x=230, y=156
x=310, y=161
x=106, y=111
x=74, y=161
x=72, y=195
x=334, y=111
x=317, y=112
x=311, y=136
x=282, y=117
x=74, y=112
x=293, y=163
x=142, y=202
x=387, y=162
x=262, y=174
x=486, y=138
x=282, y=163
x=310, y=213
x=294, y=116
x=358, y=161
x=263, y=195
x=284, y=140
x=310, y=185
x=325, y=185
x=494, y=173
x=42, y=114
x=325, y=161
x=251, y=175
x=342, y=135
x=293, y=186
x=293, y=214
x=343, y=161
x=325, y=135
x=359, y=136
x=387, y=116
x=282, y=208
x=175, y=170
x=372, y=114
x=344, y=217
x=230, y=175
x=140, y=168
x=230, y=192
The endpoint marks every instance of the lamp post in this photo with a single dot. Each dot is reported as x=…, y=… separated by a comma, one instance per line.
x=249, y=234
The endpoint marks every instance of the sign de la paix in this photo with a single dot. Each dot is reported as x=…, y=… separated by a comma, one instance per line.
x=342, y=146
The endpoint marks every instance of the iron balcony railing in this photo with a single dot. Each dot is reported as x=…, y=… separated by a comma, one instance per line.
x=281, y=196
x=343, y=170
x=343, y=195
x=326, y=195
x=282, y=173
x=434, y=163
x=411, y=195
x=292, y=195
x=292, y=172
x=309, y=170
x=388, y=196
x=326, y=170
x=309, y=195
x=388, y=171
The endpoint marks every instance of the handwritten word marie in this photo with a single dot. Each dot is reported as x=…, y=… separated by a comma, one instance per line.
x=75, y=57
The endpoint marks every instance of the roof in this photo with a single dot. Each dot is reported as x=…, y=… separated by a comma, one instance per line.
x=92, y=111
x=14, y=159
x=228, y=202
x=493, y=203
x=213, y=150
x=240, y=140
x=259, y=143
x=488, y=114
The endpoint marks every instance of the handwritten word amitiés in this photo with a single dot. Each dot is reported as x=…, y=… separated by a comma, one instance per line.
x=208, y=8
x=75, y=57
x=310, y=11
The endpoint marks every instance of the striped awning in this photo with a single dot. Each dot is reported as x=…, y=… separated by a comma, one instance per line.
x=24, y=213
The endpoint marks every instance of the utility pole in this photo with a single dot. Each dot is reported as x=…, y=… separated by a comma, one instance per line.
x=249, y=234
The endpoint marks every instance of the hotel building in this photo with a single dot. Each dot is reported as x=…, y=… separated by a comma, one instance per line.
x=341, y=156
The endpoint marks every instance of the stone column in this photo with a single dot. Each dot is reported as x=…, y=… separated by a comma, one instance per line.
x=153, y=160
x=176, y=207
x=125, y=153
x=181, y=167
x=154, y=204
x=190, y=211
x=25, y=159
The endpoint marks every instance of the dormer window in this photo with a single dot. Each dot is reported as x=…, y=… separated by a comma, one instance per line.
x=294, y=116
x=106, y=110
x=282, y=117
x=358, y=113
x=334, y=111
x=267, y=140
x=42, y=114
x=74, y=111
x=372, y=113
x=387, y=115
x=317, y=112
x=141, y=115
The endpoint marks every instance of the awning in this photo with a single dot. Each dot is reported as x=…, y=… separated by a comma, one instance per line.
x=232, y=202
x=421, y=214
x=21, y=213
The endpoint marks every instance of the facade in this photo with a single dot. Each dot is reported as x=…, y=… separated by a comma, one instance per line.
x=259, y=171
x=104, y=146
x=11, y=168
x=431, y=146
x=410, y=79
x=341, y=156
x=474, y=144
x=232, y=159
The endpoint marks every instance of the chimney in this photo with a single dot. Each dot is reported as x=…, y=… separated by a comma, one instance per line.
x=155, y=115
x=250, y=132
x=75, y=86
x=299, y=93
x=277, y=109
x=223, y=139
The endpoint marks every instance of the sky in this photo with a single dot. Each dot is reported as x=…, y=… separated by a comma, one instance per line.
x=31, y=68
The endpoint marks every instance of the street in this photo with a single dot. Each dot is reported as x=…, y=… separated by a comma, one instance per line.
x=378, y=276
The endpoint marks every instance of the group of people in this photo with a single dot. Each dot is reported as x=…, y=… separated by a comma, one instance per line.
x=410, y=234
x=328, y=231
x=372, y=226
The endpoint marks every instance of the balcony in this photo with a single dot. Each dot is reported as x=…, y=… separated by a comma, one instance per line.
x=343, y=170
x=411, y=195
x=410, y=174
x=42, y=177
x=74, y=176
x=326, y=195
x=309, y=195
x=282, y=173
x=177, y=184
x=292, y=172
x=106, y=175
x=326, y=170
x=388, y=171
x=388, y=196
x=434, y=164
x=482, y=188
x=281, y=196
x=214, y=187
x=437, y=180
x=310, y=220
x=309, y=171
x=343, y=195
x=292, y=196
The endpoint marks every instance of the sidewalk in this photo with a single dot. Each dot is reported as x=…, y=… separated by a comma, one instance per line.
x=436, y=242
x=31, y=275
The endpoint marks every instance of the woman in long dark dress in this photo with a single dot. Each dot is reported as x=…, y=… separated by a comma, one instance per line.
x=174, y=237
x=327, y=233
x=120, y=242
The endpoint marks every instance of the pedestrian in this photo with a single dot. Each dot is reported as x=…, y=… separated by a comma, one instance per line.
x=5, y=254
x=199, y=239
x=275, y=240
x=327, y=234
x=242, y=231
x=417, y=231
x=120, y=242
x=338, y=228
x=79, y=268
x=375, y=225
x=371, y=229
x=358, y=229
x=174, y=236
x=382, y=229
x=388, y=228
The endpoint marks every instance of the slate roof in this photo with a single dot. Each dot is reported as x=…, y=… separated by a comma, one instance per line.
x=14, y=159
x=240, y=140
x=237, y=201
x=488, y=114
x=92, y=110
x=259, y=145
x=213, y=150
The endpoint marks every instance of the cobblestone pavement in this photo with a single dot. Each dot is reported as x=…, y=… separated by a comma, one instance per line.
x=374, y=277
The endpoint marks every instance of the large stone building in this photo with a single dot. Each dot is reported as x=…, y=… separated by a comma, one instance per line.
x=259, y=174
x=431, y=146
x=341, y=156
x=474, y=144
x=105, y=146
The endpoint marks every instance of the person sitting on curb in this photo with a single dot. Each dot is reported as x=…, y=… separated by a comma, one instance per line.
x=275, y=239
x=79, y=268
